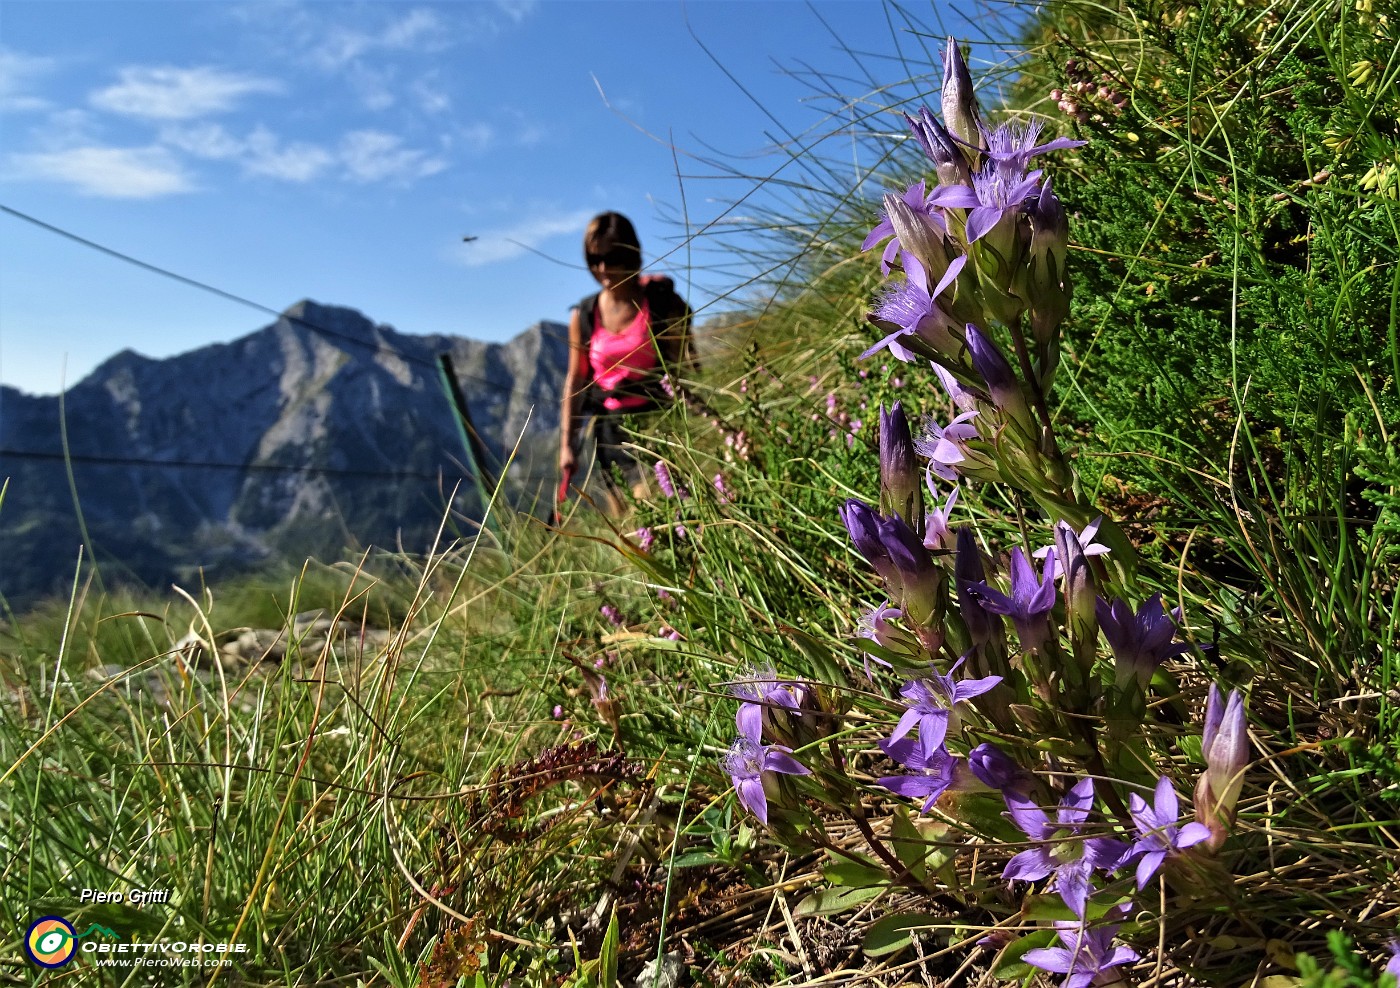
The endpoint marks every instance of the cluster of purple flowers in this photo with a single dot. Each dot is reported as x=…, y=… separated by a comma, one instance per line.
x=749, y=761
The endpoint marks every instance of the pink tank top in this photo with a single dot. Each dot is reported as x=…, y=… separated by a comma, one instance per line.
x=619, y=357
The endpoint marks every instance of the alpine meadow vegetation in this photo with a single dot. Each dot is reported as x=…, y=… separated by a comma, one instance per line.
x=1016, y=601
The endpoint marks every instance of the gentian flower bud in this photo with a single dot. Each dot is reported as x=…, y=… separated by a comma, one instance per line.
x=901, y=493
x=942, y=149
x=917, y=234
x=1225, y=746
x=1044, y=284
x=1080, y=599
x=911, y=577
x=968, y=572
x=997, y=770
x=1001, y=380
x=960, y=110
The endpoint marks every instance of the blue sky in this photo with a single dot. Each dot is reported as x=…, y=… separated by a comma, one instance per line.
x=341, y=152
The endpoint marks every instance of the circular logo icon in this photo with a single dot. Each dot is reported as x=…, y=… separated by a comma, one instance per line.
x=51, y=941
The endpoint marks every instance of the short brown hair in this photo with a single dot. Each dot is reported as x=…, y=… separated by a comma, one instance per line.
x=611, y=235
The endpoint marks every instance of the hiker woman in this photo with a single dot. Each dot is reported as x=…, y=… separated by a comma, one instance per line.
x=622, y=341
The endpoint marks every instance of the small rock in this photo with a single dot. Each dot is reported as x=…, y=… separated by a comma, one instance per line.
x=662, y=972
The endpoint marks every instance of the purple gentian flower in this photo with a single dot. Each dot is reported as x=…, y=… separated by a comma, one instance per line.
x=875, y=625
x=1393, y=965
x=897, y=554
x=910, y=306
x=1088, y=542
x=937, y=534
x=746, y=762
x=945, y=446
x=932, y=703
x=1087, y=955
x=722, y=490
x=1002, y=184
x=1140, y=641
x=758, y=688
x=933, y=771
x=612, y=614
x=1030, y=602
x=1071, y=859
x=1158, y=832
x=645, y=538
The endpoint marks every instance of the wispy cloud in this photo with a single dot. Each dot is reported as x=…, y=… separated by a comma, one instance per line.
x=374, y=156
x=108, y=172
x=260, y=153
x=17, y=72
x=169, y=93
x=419, y=30
x=361, y=156
x=509, y=242
x=517, y=10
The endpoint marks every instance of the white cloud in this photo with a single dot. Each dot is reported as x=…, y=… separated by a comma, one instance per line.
x=17, y=72
x=507, y=243
x=374, y=156
x=108, y=172
x=295, y=162
x=420, y=30
x=168, y=93
x=260, y=153
x=517, y=10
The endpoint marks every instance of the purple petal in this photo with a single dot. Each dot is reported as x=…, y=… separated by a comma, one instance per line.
x=969, y=688
x=906, y=723
x=914, y=786
x=1192, y=833
x=949, y=276
x=752, y=798
x=778, y=761
x=1072, y=882
x=1165, y=802
x=1120, y=955
x=750, y=721
x=1030, y=818
x=1074, y=808
x=981, y=220
x=1029, y=866
x=1148, y=866
x=953, y=197
x=1056, y=960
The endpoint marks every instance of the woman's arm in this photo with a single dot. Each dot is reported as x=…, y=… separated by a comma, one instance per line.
x=575, y=383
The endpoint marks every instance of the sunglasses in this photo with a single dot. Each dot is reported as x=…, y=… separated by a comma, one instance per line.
x=618, y=257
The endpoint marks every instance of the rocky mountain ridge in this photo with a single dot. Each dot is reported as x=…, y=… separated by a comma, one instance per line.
x=321, y=431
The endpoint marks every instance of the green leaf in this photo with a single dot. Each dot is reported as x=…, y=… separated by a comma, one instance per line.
x=910, y=846
x=832, y=901
x=692, y=859
x=823, y=666
x=1009, y=965
x=893, y=933
x=607, y=954
x=1049, y=908
x=860, y=873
